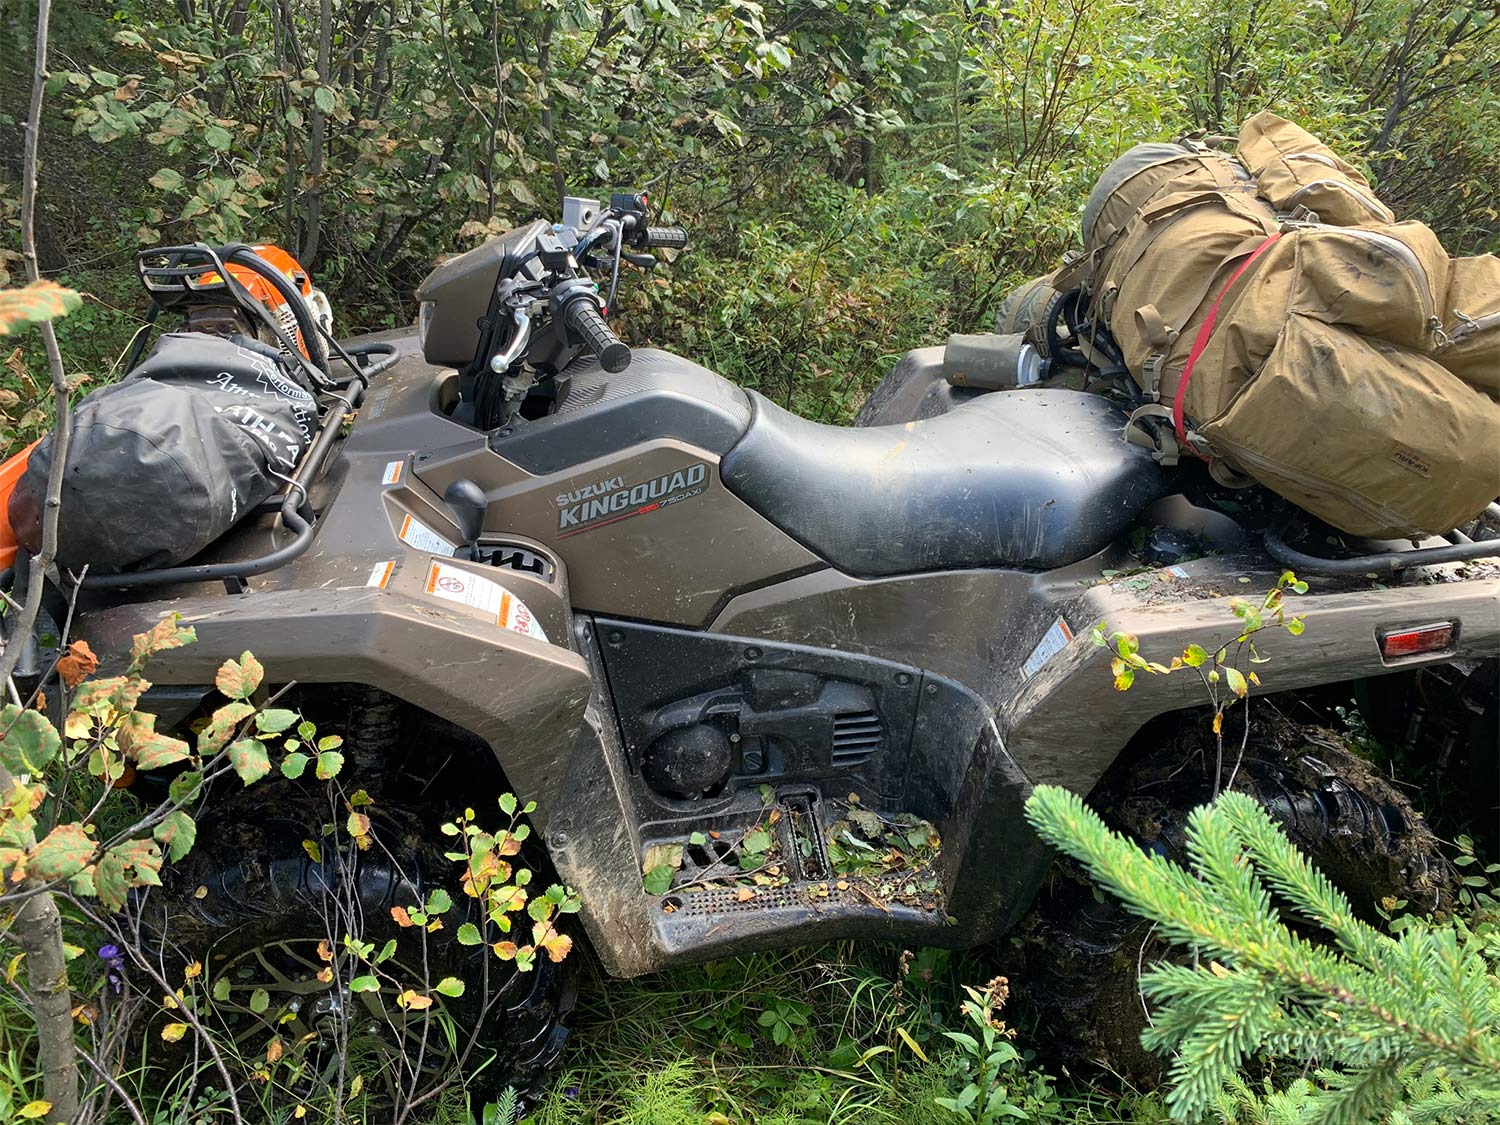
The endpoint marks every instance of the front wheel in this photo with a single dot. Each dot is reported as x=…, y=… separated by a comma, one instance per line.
x=1083, y=953
x=267, y=903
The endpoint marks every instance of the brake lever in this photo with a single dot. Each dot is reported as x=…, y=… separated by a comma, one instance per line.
x=501, y=362
x=644, y=261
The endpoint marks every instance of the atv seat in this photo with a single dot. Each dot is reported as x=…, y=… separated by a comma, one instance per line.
x=1026, y=478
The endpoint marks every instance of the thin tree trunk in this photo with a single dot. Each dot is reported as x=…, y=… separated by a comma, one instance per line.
x=37, y=926
x=544, y=65
x=316, y=140
x=38, y=929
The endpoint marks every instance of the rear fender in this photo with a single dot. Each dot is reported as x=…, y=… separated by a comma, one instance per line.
x=1066, y=724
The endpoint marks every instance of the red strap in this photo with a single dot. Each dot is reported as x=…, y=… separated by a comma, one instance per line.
x=1201, y=342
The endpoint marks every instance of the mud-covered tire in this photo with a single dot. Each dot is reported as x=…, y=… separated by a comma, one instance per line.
x=1082, y=953
x=250, y=884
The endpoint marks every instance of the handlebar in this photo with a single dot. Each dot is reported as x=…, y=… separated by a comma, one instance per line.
x=666, y=238
x=581, y=317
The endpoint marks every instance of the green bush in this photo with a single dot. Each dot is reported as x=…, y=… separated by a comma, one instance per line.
x=1399, y=1027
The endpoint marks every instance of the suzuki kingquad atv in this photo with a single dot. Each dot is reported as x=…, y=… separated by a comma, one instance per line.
x=767, y=681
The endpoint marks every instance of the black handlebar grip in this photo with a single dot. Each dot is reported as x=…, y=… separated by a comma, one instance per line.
x=666, y=238
x=582, y=318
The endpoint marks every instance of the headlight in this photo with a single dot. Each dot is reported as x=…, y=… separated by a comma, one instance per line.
x=424, y=321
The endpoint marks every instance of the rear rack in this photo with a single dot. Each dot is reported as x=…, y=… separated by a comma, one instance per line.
x=1460, y=549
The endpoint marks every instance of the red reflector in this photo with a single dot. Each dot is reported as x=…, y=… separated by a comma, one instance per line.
x=1418, y=640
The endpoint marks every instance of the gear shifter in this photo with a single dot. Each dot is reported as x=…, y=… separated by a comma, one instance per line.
x=466, y=501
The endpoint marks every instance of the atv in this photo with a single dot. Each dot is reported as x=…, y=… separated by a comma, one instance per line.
x=764, y=681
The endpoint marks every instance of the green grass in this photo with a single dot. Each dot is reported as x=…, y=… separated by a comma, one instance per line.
x=861, y=1041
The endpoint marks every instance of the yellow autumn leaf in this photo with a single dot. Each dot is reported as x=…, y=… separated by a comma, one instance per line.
x=414, y=1001
x=32, y=1110
x=912, y=1043
x=173, y=1032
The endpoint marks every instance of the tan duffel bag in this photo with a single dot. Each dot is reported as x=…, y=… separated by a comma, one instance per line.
x=1380, y=283
x=1148, y=171
x=1372, y=438
x=1293, y=169
x=1471, y=322
x=1170, y=261
x=1024, y=309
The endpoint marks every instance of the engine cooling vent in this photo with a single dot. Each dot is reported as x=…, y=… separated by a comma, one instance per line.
x=856, y=737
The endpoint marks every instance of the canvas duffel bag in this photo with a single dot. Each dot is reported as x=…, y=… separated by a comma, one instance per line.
x=1375, y=439
x=1024, y=310
x=1379, y=283
x=1148, y=171
x=1471, y=322
x=1293, y=169
x=1169, y=262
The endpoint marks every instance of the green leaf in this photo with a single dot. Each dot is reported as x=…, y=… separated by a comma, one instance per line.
x=468, y=934
x=697, y=839
x=274, y=720
x=757, y=841
x=217, y=138
x=153, y=750
x=387, y=951
x=166, y=179
x=64, y=852
x=293, y=765
x=1296, y=626
x=165, y=634
x=30, y=741
x=185, y=787
x=658, y=881
x=508, y=803
x=249, y=758
x=220, y=990
x=450, y=986
x=177, y=834
x=109, y=882
x=239, y=679
x=260, y=1000
x=323, y=98
x=222, y=725
x=1194, y=656
x=439, y=902
x=329, y=764
x=364, y=984
x=1236, y=680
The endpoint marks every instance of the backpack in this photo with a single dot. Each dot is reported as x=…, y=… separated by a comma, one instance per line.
x=1293, y=333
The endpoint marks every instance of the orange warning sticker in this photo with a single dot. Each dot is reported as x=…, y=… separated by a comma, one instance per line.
x=381, y=574
x=392, y=474
x=455, y=584
x=415, y=533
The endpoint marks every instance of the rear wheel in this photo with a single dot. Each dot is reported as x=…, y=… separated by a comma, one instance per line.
x=1084, y=953
x=264, y=902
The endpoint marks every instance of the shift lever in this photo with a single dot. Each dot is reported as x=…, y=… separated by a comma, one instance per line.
x=466, y=501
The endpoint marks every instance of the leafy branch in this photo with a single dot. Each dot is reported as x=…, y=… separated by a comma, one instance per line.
x=1382, y=1021
x=1218, y=670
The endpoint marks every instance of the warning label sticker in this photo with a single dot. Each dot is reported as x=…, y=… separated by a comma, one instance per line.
x=456, y=585
x=381, y=574
x=392, y=474
x=415, y=533
x=1053, y=641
